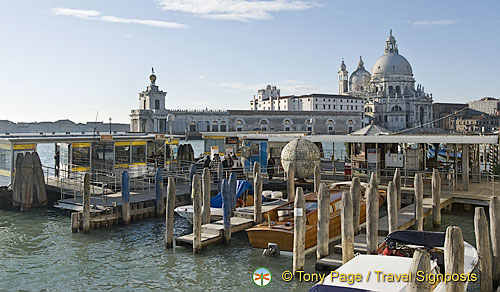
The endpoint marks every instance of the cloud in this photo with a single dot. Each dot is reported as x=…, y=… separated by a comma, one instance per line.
x=434, y=22
x=239, y=10
x=201, y=77
x=96, y=15
x=288, y=87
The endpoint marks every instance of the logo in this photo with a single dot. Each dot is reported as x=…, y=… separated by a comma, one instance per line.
x=261, y=277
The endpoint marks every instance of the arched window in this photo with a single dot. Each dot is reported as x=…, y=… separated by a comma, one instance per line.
x=192, y=126
x=223, y=127
x=391, y=89
x=396, y=108
x=239, y=125
x=398, y=90
x=208, y=126
x=263, y=125
x=287, y=125
x=215, y=126
x=330, y=127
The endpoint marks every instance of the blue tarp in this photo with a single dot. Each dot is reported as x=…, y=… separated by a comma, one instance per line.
x=241, y=187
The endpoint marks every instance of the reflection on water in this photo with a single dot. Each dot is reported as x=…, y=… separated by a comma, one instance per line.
x=38, y=251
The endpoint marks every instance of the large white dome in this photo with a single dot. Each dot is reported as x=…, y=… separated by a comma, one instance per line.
x=392, y=64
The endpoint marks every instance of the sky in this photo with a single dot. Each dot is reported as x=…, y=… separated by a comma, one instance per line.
x=83, y=59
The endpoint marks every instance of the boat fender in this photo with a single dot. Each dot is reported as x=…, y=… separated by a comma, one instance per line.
x=272, y=250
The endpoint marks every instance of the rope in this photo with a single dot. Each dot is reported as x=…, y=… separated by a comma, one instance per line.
x=436, y=120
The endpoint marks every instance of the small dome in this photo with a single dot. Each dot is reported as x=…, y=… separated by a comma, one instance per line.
x=152, y=78
x=392, y=64
x=360, y=77
x=304, y=153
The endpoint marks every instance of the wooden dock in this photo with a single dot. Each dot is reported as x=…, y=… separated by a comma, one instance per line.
x=406, y=219
x=212, y=233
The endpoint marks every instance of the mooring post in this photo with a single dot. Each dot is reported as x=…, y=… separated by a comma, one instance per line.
x=317, y=177
x=257, y=199
x=495, y=238
x=220, y=177
x=323, y=221
x=75, y=223
x=226, y=211
x=397, y=182
x=299, y=231
x=125, y=198
x=169, y=213
x=290, y=183
x=159, y=191
x=86, y=203
x=207, y=189
x=372, y=212
x=192, y=172
x=256, y=169
x=196, y=193
x=454, y=257
x=374, y=181
x=436, y=198
x=483, y=248
x=355, y=192
x=392, y=212
x=421, y=262
x=465, y=167
x=232, y=192
x=347, y=228
x=418, y=186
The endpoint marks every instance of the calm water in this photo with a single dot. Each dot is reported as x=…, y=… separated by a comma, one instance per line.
x=38, y=252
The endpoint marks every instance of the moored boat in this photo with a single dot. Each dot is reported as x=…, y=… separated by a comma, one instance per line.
x=279, y=226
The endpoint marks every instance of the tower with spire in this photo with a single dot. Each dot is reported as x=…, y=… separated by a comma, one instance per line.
x=343, y=79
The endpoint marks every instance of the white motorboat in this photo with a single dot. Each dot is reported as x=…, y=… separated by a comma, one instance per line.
x=372, y=268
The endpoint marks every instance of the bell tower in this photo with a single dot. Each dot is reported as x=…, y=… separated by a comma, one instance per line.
x=343, y=79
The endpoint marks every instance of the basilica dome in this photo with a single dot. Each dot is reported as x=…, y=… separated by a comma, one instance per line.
x=391, y=63
x=360, y=78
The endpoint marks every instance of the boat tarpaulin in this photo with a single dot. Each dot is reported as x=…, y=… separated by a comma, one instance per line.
x=241, y=187
x=423, y=238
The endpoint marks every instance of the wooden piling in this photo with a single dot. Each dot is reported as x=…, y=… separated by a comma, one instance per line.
x=40, y=193
x=372, y=212
x=206, y=186
x=86, y=203
x=495, y=239
x=355, y=192
x=257, y=199
x=75, y=223
x=465, y=167
x=290, y=183
x=26, y=182
x=169, y=213
x=374, y=181
x=220, y=176
x=323, y=227
x=392, y=212
x=317, y=177
x=125, y=198
x=226, y=210
x=347, y=228
x=483, y=248
x=159, y=192
x=421, y=262
x=436, y=198
x=418, y=186
x=17, y=183
x=256, y=169
x=397, y=182
x=232, y=192
x=196, y=194
x=454, y=257
x=299, y=231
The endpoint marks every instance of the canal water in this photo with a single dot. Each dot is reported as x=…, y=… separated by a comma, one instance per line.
x=38, y=252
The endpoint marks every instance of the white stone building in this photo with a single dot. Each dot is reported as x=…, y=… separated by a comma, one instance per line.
x=151, y=117
x=391, y=98
x=487, y=105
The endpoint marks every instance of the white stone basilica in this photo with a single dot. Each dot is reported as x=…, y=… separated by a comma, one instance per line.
x=391, y=98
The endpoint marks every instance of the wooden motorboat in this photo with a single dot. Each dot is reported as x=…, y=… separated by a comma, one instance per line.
x=279, y=226
x=405, y=242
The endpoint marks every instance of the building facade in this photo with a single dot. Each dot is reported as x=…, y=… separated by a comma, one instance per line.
x=487, y=105
x=392, y=99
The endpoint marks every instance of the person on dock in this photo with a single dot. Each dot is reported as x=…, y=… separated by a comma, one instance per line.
x=57, y=159
x=207, y=162
x=214, y=164
x=270, y=166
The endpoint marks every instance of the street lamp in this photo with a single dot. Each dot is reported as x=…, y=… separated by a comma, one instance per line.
x=110, y=125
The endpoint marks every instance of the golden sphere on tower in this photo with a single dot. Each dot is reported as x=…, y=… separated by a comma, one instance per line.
x=152, y=78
